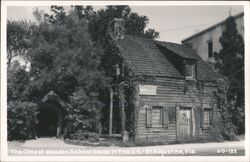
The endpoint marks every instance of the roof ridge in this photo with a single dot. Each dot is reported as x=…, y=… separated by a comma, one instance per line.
x=213, y=26
x=139, y=37
x=176, y=48
x=167, y=42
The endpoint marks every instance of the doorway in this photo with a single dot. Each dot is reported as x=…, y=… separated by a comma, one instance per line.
x=47, y=126
x=185, y=123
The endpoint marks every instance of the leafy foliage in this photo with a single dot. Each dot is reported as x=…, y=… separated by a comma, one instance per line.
x=64, y=59
x=99, y=20
x=21, y=112
x=17, y=82
x=84, y=114
x=230, y=63
x=62, y=56
x=21, y=119
x=224, y=125
x=19, y=34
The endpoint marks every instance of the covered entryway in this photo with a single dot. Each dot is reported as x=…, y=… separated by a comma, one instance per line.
x=50, y=117
x=47, y=125
x=185, y=124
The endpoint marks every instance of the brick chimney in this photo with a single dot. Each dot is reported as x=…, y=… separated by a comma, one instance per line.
x=116, y=29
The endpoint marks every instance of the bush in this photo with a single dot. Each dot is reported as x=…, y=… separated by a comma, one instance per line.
x=21, y=120
x=77, y=135
x=83, y=135
x=216, y=133
x=83, y=116
x=224, y=107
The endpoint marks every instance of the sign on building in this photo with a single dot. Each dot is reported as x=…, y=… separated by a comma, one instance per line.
x=147, y=89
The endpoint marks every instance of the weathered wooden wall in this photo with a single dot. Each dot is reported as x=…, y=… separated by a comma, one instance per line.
x=169, y=93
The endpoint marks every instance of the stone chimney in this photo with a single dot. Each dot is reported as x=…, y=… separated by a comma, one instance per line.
x=116, y=29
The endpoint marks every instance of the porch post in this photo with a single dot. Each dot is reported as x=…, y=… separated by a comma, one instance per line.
x=123, y=114
x=111, y=112
x=193, y=121
x=59, y=125
x=177, y=109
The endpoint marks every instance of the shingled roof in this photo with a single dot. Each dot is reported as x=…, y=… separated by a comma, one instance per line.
x=145, y=58
x=179, y=49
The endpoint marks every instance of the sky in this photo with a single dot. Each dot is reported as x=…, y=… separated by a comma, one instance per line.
x=174, y=23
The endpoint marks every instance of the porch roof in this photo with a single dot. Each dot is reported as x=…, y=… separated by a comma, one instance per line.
x=52, y=96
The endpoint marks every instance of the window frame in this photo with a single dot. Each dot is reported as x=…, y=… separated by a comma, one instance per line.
x=161, y=116
x=192, y=64
x=210, y=49
x=164, y=117
x=210, y=116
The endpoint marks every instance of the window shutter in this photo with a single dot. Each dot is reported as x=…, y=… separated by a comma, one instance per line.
x=165, y=117
x=198, y=117
x=202, y=117
x=211, y=116
x=172, y=115
x=149, y=116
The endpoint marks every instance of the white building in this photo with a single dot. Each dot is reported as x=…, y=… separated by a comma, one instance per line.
x=206, y=42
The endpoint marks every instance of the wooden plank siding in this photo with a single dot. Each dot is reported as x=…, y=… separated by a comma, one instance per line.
x=169, y=93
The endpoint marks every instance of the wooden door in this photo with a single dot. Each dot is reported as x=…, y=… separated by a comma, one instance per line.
x=185, y=124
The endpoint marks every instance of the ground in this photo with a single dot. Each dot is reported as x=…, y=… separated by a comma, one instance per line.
x=54, y=146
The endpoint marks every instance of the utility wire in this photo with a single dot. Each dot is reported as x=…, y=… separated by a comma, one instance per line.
x=185, y=27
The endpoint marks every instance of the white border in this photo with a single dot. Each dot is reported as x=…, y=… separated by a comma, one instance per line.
x=4, y=156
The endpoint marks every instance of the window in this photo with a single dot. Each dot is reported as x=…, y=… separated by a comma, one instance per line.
x=210, y=49
x=157, y=116
x=172, y=115
x=207, y=118
x=190, y=70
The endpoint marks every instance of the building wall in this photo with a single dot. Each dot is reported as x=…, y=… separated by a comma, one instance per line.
x=200, y=42
x=170, y=92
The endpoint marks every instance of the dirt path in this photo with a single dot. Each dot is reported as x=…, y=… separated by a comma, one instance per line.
x=48, y=142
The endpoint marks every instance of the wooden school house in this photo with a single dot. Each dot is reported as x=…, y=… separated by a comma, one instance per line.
x=176, y=103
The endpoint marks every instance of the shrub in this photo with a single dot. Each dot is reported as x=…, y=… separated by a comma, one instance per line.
x=83, y=116
x=21, y=120
x=224, y=107
x=216, y=132
x=77, y=135
x=83, y=135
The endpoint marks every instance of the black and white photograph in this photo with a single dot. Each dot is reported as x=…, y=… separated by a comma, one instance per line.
x=124, y=81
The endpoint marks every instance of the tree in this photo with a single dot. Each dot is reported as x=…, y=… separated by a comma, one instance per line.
x=230, y=63
x=21, y=112
x=17, y=82
x=84, y=113
x=18, y=38
x=99, y=20
x=64, y=60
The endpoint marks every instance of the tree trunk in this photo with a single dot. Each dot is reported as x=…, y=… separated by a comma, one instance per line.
x=136, y=103
x=122, y=108
x=111, y=112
